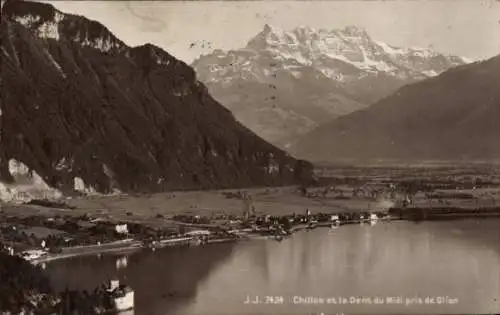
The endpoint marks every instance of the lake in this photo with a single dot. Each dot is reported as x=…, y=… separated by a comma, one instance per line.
x=391, y=267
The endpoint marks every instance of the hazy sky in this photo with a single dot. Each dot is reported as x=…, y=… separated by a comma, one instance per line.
x=469, y=28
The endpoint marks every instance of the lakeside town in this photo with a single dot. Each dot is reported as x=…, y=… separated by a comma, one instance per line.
x=39, y=239
x=41, y=230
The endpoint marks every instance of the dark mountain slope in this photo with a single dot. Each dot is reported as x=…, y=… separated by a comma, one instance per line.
x=77, y=102
x=453, y=116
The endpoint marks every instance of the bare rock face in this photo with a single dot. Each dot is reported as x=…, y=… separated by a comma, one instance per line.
x=76, y=102
x=454, y=116
x=285, y=83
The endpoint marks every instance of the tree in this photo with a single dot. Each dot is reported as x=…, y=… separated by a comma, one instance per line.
x=303, y=191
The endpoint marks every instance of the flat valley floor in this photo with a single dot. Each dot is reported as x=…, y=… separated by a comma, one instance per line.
x=464, y=187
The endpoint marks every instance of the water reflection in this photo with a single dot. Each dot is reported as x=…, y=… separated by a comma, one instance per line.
x=121, y=262
x=459, y=259
x=163, y=280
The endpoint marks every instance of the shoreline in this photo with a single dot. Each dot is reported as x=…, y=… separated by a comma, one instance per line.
x=44, y=231
x=128, y=248
x=132, y=245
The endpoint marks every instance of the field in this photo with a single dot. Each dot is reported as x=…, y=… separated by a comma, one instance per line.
x=346, y=189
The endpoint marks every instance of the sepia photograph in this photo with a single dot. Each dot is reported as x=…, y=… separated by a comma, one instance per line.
x=261, y=157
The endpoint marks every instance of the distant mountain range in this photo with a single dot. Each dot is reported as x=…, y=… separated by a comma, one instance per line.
x=454, y=116
x=81, y=109
x=286, y=83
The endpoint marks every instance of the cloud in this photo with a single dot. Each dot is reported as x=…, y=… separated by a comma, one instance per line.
x=151, y=17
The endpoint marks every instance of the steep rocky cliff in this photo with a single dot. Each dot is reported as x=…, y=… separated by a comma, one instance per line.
x=79, y=107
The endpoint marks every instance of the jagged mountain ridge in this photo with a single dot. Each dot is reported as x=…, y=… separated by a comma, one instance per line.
x=285, y=83
x=77, y=102
x=454, y=116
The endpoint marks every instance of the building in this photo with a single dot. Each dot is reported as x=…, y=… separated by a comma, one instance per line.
x=123, y=296
x=121, y=229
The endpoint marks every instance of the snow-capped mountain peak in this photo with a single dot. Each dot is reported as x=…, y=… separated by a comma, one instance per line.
x=286, y=81
x=353, y=30
x=352, y=45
